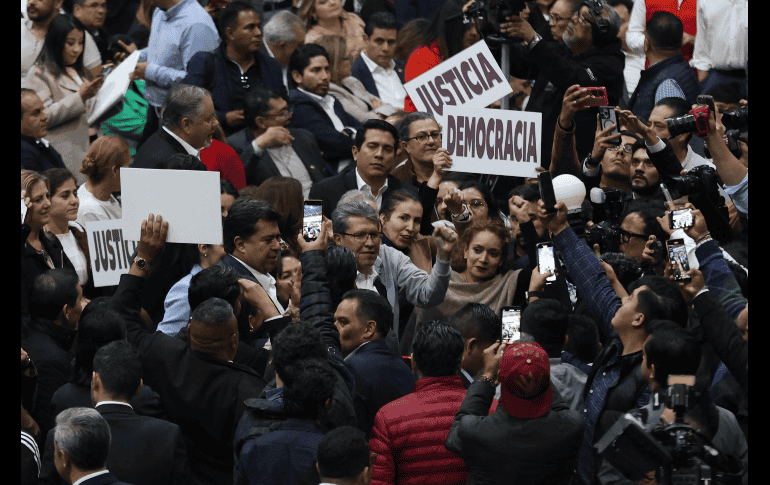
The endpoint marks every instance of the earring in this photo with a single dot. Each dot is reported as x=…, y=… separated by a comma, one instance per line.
x=205, y=255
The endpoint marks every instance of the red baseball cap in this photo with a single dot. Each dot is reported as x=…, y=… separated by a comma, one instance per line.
x=525, y=381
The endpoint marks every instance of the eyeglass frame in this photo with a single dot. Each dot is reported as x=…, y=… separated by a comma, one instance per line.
x=437, y=138
x=626, y=148
x=555, y=21
x=625, y=236
x=365, y=236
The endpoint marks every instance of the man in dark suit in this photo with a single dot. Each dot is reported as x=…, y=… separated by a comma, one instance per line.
x=380, y=74
x=315, y=110
x=374, y=155
x=200, y=386
x=236, y=67
x=143, y=450
x=188, y=125
x=36, y=153
x=363, y=319
x=480, y=328
x=267, y=148
x=81, y=446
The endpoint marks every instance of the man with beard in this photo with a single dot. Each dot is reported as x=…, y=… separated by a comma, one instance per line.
x=645, y=181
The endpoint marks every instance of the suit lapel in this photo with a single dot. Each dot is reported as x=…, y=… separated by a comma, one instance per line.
x=171, y=141
x=67, y=84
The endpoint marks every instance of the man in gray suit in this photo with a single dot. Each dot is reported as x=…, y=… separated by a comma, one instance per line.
x=268, y=148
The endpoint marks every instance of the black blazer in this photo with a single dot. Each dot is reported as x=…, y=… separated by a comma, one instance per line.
x=143, y=450
x=38, y=158
x=260, y=168
x=361, y=72
x=330, y=190
x=146, y=403
x=158, y=147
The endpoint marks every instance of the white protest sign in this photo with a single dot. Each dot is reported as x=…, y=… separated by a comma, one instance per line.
x=492, y=141
x=187, y=199
x=469, y=77
x=110, y=253
x=114, y=87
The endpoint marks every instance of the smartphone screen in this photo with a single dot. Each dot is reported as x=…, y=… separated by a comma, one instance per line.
x=511, y=324
x=546, y=261
x=312, y=220
x=677, y=254
x=679, y=219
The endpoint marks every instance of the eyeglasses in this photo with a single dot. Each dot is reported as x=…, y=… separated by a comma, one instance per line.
x=285, y=114
x=423, y=137
x=475, y=203
x=626, y=148
x=361, y=237
x=626, y=236
x=555, y=18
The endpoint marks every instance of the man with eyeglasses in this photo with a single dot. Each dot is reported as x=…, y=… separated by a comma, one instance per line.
x=92, y=14
x=236, y=66
x=593, y=58
x=268, y=147
x=387, y=270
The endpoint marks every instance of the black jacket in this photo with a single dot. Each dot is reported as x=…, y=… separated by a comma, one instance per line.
x=33, y=264
x=158, y=148
x=143, y=450
x=502, y=449
x=204, y=395
x=146, y=403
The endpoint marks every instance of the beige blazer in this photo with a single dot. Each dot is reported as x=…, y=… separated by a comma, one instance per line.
x=357, y=103
x=67, y=116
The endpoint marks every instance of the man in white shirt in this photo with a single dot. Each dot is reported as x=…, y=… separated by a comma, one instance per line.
x=282, y=34
x=634, y=61
x=375, y=68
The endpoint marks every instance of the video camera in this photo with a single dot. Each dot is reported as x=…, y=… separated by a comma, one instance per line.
x=607, y=207
x=679, y=454
x=702, y=179
x=491, y=13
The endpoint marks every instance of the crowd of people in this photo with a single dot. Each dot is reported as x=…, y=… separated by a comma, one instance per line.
x=378, y=346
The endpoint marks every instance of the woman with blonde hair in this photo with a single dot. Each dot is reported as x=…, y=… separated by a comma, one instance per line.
x=327, y=17
x=102, y=164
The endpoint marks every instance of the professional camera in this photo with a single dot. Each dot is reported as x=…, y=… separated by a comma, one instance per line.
x=491, y=13
x=702, y=179
x=606, y=234
x=736, y=119
x=696, y=121
x=680, y=454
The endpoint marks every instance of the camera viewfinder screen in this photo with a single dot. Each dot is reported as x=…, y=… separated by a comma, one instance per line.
x=682, y=219
x=311, y=223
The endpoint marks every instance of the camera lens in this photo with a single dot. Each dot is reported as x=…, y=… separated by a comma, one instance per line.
x=736, y=119
x=681, y=125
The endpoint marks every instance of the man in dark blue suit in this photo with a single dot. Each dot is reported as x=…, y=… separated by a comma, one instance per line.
x=363, y=319
x=230, y=71
x=380, y=74
x=315, y=110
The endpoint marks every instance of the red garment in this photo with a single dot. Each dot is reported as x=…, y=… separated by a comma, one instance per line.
x=221, y=157
x=685, y=13
x=409, y=435
x=421, y=61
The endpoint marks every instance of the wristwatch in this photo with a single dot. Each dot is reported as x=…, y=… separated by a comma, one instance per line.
x=533, y=294
x=532, y=43
x=141, y=263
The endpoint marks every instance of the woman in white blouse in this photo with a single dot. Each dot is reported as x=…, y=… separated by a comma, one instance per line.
x=102, y=164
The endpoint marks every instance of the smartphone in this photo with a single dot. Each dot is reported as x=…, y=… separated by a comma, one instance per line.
x=679, y=219
x=677, y=254
x=312, y=219
x=511, y=324
x=106, y=70
x=546, y=261
x=545, y=184
x=598, y=97
x=607, y=118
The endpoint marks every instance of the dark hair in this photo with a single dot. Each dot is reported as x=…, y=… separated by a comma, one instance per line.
x=372, y=306
x=405, y=125
x=380, y=125
x=380, y=20
x=528, y=192
x=343, y=453
x=729, y=93
x=119, y=369
x=96, y=329
x=218, y=281
x=547, y=321
x=227, y=187
x=649, y=214
x=285, y=196
x=302, y=56
x=447, y=29
x=629, y=4
x=297, y=342
x=672, y=350
x=214, y=312
x=242, y=219
x=308, y=385
x=496, y=227
x=679, y=107
x=665, y=30
x=228, y=15
x=26, y=91
x=342, y=270
x=256, y=102
x=410, y=37
x=51, y=291
x=583, y=338
x=661, y=301
x=437, y=349
x=181, y=161
x=493, y=208
x=394, y=199
x=479, y=321
x=56, y=178
x=626, y=268
x=85, y=436
x=52, y=54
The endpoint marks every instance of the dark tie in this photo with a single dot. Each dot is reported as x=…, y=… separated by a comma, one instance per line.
x=378, y=284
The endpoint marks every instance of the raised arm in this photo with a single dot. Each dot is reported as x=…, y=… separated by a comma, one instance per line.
x=423, y=290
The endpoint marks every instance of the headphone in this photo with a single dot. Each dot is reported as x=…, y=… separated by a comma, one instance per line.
x=602, y=25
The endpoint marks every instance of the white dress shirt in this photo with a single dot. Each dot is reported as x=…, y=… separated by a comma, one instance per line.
x=387, y=81
x=288, y=163
x=327, y=104
x=187, y=147
x=366, y=189
x=268, y=283
x=723, y=35
x=113, y=402
x=366, y=282
x=632, y=71
x=88, y=477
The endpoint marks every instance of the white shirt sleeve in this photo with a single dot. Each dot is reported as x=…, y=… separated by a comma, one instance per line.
x=636, y=23
x=91, y=57
x=700, y=56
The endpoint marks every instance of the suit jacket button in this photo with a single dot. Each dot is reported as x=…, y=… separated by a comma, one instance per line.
x=312, y=166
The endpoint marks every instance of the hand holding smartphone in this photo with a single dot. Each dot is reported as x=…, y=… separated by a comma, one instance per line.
x=545, y=184
x=511, y=324
x=598, y=97
x=546, y=260
x=677, y=255
x=608, y=117
x=313, y=219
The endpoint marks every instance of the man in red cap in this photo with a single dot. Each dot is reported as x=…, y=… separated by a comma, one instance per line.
x=532, y=438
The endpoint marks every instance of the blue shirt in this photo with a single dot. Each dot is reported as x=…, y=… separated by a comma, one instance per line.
x=177, y=305
x=176, y=35
x=740, y=194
